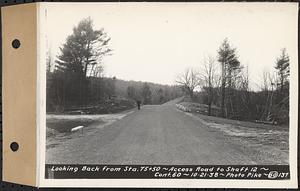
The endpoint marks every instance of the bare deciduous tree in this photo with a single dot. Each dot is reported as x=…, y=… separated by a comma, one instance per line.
x=189, y=79
x=210, y=79
x=265, y=81
x=268, y=86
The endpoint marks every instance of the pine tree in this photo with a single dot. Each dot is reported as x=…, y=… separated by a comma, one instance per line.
x=280, y=109
x=230, y=65
x=283, y=69
x=83, y=49
x=81, y=53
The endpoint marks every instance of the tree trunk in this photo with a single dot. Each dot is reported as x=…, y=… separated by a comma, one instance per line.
x=223, y=90
x=210, y=98
x=223, y=100
x=209, y=109
x=191, y=92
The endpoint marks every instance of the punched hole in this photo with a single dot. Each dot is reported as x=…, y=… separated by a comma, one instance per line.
x=16, y=43
x=14, y=146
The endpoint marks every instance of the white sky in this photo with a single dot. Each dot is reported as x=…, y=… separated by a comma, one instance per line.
x=156, y=41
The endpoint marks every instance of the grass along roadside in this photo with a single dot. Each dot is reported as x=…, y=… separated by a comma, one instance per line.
x=263, y=141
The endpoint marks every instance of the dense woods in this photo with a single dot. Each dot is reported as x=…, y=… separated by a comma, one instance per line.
x=75, y=82
x=224, y=84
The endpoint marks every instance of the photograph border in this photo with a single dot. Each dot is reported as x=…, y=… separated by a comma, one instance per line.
x=155, y=183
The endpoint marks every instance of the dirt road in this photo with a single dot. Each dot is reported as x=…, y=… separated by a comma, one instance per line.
x=160, y=134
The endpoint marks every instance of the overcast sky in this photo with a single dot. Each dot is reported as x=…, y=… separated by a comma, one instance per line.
x=155, y=41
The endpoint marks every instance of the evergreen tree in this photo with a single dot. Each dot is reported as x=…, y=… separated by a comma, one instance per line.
x=83, y=49
x=80, y=55
x=283, y=69
x=230, y=66
x=280, y=109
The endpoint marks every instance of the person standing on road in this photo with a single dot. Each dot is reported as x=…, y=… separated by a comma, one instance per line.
x=138, y=102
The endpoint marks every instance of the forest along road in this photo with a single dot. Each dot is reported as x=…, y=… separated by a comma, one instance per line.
x=159, y=134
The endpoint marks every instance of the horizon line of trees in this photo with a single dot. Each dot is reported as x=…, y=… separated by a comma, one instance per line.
x=224, y=82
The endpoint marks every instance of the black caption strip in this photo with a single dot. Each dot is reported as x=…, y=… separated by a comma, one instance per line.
x=254, y=172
